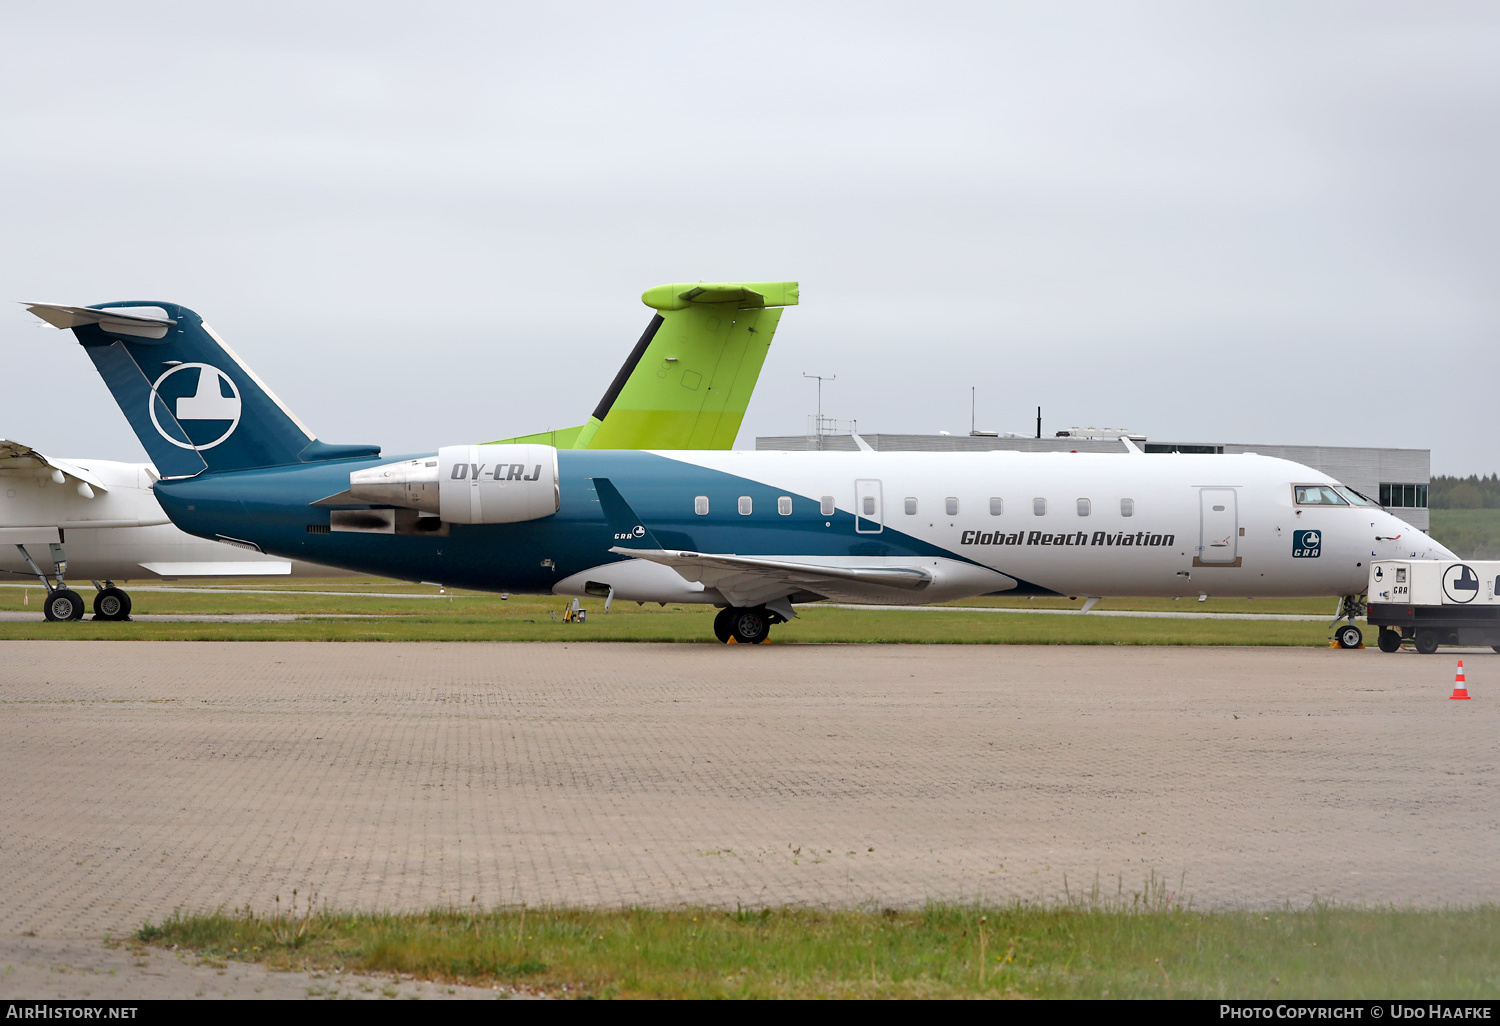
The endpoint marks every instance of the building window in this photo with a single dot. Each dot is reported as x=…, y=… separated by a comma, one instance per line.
x=996, y=506
x=784, y=505
x=950, y=504
x=1083, y=507
x=700, y=505
x=911, y=506
x=1404, y=496
x=825, y=507
x=745, y=506
x=1039, y=507
x=1127, y=507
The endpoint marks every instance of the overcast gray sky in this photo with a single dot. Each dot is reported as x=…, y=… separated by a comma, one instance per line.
x=429, y=224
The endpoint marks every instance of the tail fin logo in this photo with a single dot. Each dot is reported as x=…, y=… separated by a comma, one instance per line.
x=199, y=403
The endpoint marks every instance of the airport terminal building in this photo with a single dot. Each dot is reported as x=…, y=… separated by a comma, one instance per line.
x=1397, y=478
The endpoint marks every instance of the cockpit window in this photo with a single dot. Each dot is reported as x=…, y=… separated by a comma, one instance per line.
x=1319, y=495
x=1355, y=499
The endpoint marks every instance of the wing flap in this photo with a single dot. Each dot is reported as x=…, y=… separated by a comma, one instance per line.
x=746, y=580
x=17, y=456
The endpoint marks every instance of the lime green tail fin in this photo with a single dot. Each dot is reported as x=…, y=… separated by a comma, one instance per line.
x=688, y=382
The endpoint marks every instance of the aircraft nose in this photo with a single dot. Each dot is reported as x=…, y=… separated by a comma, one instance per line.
x=1396, y=539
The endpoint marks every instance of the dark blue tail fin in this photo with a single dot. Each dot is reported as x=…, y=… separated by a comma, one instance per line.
x=194, y=405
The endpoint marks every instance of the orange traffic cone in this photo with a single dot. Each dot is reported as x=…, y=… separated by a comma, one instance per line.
x=1460, y=689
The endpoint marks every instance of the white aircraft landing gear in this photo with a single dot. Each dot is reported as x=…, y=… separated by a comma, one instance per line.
x=1349, y=635
x=62, y=602
x=110, y=603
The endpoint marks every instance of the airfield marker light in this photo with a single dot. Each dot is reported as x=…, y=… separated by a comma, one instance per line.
x=1460, y=689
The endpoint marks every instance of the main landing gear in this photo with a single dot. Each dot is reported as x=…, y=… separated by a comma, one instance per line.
x=63, y=603
x=745, y=626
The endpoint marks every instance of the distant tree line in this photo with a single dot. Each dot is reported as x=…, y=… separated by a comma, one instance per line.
x=1472, y=492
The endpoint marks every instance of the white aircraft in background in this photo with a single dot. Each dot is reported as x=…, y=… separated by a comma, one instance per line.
x=100, y=518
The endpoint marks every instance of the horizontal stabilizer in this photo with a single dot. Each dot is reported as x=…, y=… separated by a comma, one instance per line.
x=740, y=295
x=226, y=568
x=139, y=321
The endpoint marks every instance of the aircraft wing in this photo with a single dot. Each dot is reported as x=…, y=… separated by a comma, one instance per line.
x=752, y=580
x=16, y=456
x=688, y=381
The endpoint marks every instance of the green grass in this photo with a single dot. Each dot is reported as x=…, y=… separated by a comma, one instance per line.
x=1133, y=946
x=473, y=616
x=1472, y=533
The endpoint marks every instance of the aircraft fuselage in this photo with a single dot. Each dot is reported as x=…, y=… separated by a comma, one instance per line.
x=976, y=523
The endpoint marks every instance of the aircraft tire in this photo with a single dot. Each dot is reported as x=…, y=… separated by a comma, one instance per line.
x=722, y=628
x=1389, y=640
x=111, y=604
x=751, y=626
x=1427, y=642
x=63, y=604
x=1350, y=636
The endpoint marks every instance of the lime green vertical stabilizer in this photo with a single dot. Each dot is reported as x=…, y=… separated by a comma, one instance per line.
x=688, y=381
x=693, y=378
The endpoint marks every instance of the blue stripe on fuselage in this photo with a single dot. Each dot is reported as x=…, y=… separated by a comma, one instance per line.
x=272, y=508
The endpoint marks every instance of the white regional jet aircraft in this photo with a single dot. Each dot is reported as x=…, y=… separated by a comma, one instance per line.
x=755, y=533
x=102, y=517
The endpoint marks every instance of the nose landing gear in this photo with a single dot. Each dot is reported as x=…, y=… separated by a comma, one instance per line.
x=1349, y=635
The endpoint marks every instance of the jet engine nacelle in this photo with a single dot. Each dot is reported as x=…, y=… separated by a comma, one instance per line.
x=468, y=484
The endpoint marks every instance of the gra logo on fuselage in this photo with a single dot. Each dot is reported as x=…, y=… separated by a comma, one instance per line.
x=1307, y=544
x=196, y=397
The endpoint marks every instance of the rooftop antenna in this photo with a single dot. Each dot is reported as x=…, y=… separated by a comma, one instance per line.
x=974, y=431
x=820, y=379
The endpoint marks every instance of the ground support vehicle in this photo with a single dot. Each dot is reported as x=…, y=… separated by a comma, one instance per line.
x=1435, y=602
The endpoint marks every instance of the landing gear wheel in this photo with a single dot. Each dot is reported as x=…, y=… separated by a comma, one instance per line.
x=1496, y=647
x=751, y=626
x=1350, y=636
x=63, y=604
x=111, y=604
x=1390, y=640
x=1427, y=642
x=722, y=628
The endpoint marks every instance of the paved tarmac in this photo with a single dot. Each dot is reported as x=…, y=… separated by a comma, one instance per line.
x=143, y=777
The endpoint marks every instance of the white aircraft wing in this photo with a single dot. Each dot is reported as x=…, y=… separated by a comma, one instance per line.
x=16, y=456
x=752, y=580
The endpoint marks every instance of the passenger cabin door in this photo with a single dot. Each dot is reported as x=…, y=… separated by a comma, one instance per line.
x=1218, y=542
x=868, y=516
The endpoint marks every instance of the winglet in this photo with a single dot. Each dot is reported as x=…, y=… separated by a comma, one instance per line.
x=621, y=518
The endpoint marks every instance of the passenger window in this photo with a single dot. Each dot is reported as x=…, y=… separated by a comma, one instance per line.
x=911, y=506
x=825, y=507
x=700, y=505
x=950, y=504
x=1039, y=507
x=869, y=505
x=996, y=506
x=745, y=506
x=1083, y=507
x=784, y=505
x=1127, y=507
